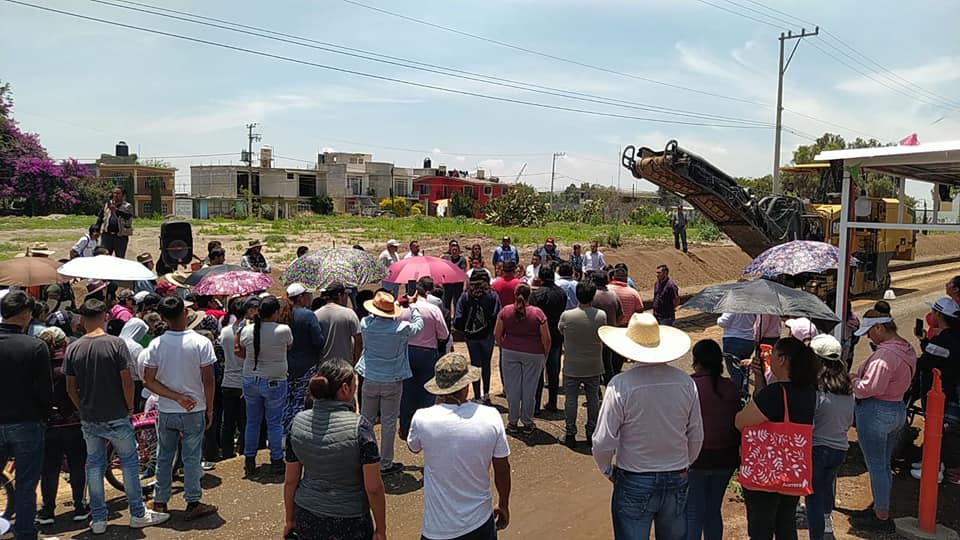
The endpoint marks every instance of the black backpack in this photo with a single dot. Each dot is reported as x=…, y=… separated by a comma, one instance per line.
x=475, y=324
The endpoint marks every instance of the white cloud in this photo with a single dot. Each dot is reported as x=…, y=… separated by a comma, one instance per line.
x=938, y=70
x=699, y=62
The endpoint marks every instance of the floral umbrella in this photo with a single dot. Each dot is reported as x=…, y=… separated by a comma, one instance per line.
x=228, y=283
x=795, y=258
x=321, y=267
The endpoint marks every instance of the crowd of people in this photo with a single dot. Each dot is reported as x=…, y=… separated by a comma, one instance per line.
x=306, y=375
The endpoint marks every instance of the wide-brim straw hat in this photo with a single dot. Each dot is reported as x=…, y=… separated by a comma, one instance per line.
x=194, y=318
x=645, y=341
x=383, y=305
x=453, y=373
x=178, y=278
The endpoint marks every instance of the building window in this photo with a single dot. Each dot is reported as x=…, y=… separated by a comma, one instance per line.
x=487, y=190
x=468, y=191
x=242, y=182
x=147, y=209
x=353, y=161
x=424, y=189
x=289, y=176
x=355, y=185
x=446, y=192
x=308, y=186
x=402, y=188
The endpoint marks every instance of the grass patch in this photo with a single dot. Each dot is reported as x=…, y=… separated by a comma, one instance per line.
x=80, y=223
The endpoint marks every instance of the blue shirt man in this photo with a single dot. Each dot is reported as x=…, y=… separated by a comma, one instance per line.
x=568, y=284
x=505, y=252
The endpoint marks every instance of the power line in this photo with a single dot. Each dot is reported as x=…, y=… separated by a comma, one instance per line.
x=744, y=15
x=420, y=66
x=595, y=67
x=382, y=77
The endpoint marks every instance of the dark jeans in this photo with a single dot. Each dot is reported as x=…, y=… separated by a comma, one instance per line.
x=116, y=244
x=826, y=465
x=642, y=500
x=234, y=422
x=680, y=237
x=704, y=499
x=571, y=392
x=138, y=400
x=666, y=321
x=551, y=371
x=423, y=361
x=211, y=437
x=451, y=293
x=608, y=372
x=63, y=441
x=487, y=531
x=481, y=354
x=23, y=442
x=310, y=526
x=771, y=514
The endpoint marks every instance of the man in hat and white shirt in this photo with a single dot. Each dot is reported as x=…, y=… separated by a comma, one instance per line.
x=460, y=440
x=650, y=420
x=387, y=257
x=254, y=259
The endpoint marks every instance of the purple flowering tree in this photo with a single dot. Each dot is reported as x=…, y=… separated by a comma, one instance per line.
x=28, y=176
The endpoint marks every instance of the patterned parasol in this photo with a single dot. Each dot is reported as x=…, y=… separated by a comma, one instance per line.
x=795, y=258
x=228, y=283
x=322, y=267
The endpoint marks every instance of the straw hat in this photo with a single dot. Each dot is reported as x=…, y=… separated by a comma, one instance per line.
x=194, y=318
x=383, y=305
x=178, y=278
x=41, y=249
x=254, y=244
x=645, y=341
x=454, y=373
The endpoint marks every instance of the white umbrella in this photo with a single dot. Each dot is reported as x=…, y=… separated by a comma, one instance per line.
x=107, y=268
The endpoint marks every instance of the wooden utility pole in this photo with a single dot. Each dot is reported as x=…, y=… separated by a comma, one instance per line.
x=783, y=69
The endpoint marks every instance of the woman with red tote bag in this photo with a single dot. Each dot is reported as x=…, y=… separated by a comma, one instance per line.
x=777, y=444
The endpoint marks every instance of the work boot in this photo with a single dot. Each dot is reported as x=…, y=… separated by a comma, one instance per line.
x=249, y=466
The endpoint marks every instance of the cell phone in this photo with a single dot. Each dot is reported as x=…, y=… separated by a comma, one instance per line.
x=918, y=328
x=411, y=287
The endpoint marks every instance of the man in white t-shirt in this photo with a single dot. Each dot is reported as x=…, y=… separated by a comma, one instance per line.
x=460, y=439
x=387, y=258
x=178, y=367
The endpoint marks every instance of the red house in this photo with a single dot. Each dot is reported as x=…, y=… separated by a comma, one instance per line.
x=430, y=189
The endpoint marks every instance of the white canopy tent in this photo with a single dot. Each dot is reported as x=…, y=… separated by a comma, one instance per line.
x=937, y=163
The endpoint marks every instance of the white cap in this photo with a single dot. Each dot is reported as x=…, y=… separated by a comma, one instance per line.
x=393, y=243
x=138, y=298
x=295, y=289
x=946, y=306
x=889, y=295
x=869, y=322
x=801, y=328
x=826, y=346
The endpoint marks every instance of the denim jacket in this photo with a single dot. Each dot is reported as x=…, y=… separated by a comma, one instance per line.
x=384, y=358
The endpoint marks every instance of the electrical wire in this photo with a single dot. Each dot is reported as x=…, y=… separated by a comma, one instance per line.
x=489, y=97
x=417, y=65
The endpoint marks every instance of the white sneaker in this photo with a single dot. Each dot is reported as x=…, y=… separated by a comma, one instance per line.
x=149, y=519
x=828, y=523
x=916, y=473
x=917, y=465
x=98, y=527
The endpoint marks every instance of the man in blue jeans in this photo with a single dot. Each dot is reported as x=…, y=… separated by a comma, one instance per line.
x=177, y=367
x=100, y=385
x=26, y=395
x=650, y=420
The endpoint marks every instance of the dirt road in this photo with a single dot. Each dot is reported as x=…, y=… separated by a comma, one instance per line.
x=557, y=492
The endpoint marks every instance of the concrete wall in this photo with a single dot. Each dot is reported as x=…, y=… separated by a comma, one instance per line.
x=213, y=181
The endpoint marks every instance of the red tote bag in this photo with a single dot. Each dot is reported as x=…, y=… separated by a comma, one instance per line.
x=777, y=456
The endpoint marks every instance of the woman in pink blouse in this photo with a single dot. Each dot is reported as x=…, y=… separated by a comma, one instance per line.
x=879, y=386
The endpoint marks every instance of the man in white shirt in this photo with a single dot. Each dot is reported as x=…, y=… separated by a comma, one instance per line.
x=533, y=269
x=87, y=243
x=593, y=260
x=650, y=420
x=178, y=367
x=460, y=440
x=387, y=258
x=414, y=250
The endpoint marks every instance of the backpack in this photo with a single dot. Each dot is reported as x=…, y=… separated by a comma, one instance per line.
x=475, y=324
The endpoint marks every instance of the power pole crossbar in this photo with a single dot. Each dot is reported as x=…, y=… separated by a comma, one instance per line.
x=780, y=73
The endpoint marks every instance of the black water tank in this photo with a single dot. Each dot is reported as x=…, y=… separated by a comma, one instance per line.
x=122, y=149
x=427, y=163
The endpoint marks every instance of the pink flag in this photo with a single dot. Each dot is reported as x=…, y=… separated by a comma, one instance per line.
x=909, y=140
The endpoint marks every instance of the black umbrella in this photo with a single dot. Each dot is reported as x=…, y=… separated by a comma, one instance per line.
x=762, y=297
x=210, y=270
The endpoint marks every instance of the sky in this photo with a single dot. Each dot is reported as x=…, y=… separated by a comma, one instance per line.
x=84, y=85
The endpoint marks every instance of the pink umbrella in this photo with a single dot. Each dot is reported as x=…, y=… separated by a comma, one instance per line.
x=441, y=270
x=237, y=282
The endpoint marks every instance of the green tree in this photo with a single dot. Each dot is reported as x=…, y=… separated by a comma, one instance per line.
x=322, y=205
x=155, y=185
x=760, y=187
x=668, y=199
x=520, y=206
x=828, y=141
x=397, y=205
x=464, y=205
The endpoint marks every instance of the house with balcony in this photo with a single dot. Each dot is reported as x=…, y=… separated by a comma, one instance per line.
x=149, y=186
x=436, y=189
x=357, y=184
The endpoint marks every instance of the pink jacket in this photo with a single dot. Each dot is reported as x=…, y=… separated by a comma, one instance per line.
x=886, y=375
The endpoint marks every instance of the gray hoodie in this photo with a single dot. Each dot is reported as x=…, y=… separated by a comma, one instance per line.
x=132, y=332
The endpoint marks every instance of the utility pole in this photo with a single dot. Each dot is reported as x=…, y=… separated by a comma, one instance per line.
x=251, y=136
x=783, y=69
x=619, y=168
x=553, y=174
